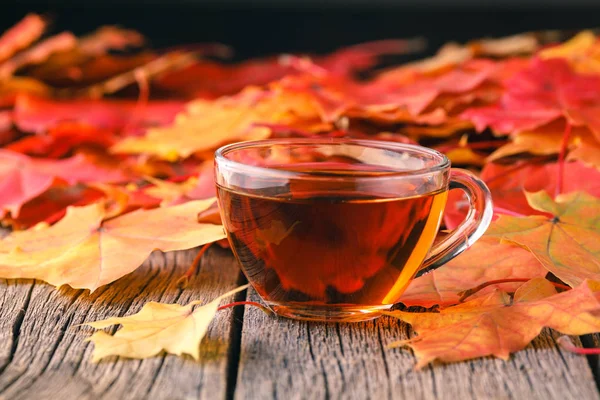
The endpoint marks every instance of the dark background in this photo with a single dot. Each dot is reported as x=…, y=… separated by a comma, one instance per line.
x=261, y=27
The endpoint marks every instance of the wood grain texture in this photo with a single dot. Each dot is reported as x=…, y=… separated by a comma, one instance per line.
x=43, y=352
x=298, y=360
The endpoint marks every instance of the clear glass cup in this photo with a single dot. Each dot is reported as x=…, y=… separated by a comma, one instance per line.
x=336, y=229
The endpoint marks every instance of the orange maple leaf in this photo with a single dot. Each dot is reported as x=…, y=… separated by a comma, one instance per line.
x=498, y=325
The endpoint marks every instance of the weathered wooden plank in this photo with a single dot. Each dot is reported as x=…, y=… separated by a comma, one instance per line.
x=298, y=360
x=43, y=353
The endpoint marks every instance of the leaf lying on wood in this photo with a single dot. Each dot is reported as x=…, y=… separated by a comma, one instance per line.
x=155, y=328
x=567, y=243
x=498, y=325
x=85, y=251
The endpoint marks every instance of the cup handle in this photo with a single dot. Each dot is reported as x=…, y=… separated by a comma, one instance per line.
x=477, y=221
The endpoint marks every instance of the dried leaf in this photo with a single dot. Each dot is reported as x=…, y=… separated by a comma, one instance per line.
x=495, y=325
x=157, y=327
x=85, y=251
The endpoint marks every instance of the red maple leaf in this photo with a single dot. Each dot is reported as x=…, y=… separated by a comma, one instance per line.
x=38, y=115
x=22, y=178
x=542, y=93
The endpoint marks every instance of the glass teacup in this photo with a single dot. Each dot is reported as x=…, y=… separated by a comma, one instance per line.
x=336, y=229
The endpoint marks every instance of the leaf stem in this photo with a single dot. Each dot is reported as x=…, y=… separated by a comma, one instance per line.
x=566, y=343
x=470, y=292
x=561, y=159
x=183, y=281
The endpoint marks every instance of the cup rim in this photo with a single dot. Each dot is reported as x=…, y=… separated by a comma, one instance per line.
x=222, y=161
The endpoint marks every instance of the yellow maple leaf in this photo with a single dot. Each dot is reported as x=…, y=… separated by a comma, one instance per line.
x=85, y=251
x=173, y=328
x=206, y=125
x=498, y=325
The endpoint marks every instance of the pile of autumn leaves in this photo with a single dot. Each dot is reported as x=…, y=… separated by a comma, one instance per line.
x=107, y=156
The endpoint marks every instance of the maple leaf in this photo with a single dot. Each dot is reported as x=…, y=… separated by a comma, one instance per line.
x=567, y=242
x=546, y=91
x=488, y=260
x=206, y=125
x=157, y=327
x=85, y=252
x=37, y=115
x=22, y=178
x=496, y=325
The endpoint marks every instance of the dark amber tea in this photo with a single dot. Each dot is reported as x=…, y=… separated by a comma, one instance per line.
x=335, y=230
x=331, y=249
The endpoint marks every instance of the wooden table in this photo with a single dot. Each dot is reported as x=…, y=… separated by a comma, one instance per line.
x=247, y=354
